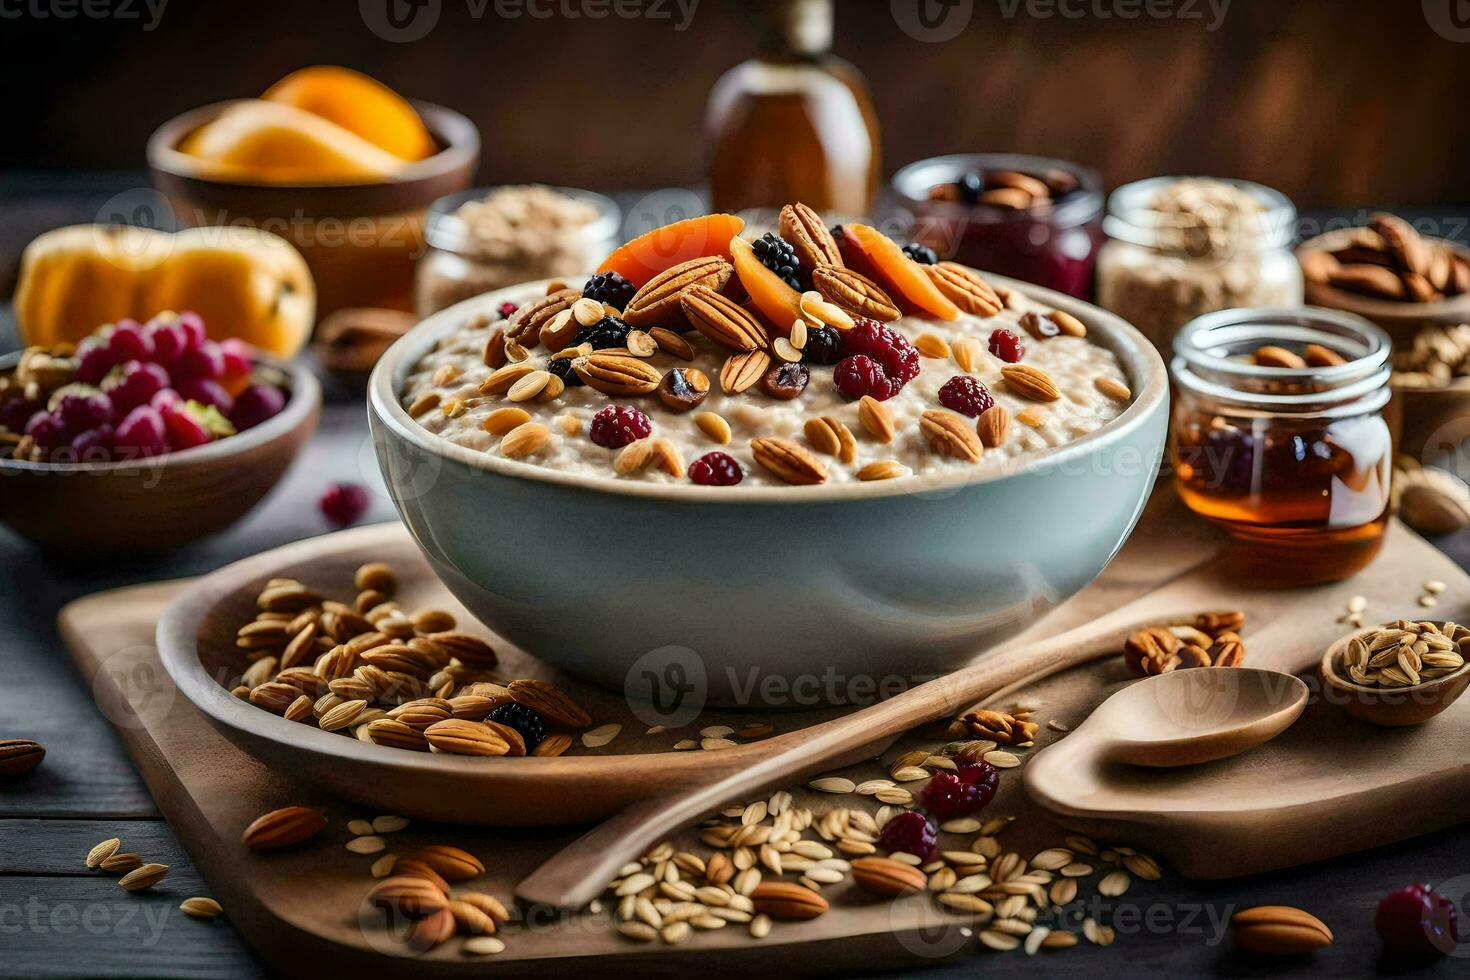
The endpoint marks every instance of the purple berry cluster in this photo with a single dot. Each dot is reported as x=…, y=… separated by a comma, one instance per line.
x=145, y=389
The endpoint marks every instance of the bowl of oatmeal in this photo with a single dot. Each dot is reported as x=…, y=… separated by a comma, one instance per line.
x=678, y=498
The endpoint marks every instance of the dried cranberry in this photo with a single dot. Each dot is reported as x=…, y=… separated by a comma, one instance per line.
x=617, y=425
x=505, y=310
x=860, y=375
x=716, y=469
x=786, y=381
x=1417, y=923
x=946, y=797
x=343, y=503
x=888, y=347
x=911, y=832
x=984, y=777
x=966, y=395
x=1005, y=345
x=823, y=346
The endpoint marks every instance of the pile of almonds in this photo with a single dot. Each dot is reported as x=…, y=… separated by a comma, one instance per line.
x=388, y=677
x=1390, y=260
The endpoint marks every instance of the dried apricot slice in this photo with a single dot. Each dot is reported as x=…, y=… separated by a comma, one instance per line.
x=662, y=248
x=776, y=301
x=358, y=104
x=877, y=256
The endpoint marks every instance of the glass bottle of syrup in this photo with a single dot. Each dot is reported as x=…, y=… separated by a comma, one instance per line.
x=795, y=123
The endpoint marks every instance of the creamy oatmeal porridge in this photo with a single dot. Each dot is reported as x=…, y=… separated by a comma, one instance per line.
x=543, y=408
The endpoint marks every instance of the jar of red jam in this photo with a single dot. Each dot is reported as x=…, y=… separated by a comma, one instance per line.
x=1278, y=435
x=1032, y=218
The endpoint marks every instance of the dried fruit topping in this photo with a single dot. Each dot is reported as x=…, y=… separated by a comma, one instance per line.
x=608, y=332
x=823, y=346
x=777, y=255
x=966, y=395
x=860, y=375
x=716, y=469
x=505, y=310
x=562, y=368
x=610, y=288
x=343, y=503
x=617, y=425
x=922, y=254
x=683, y=388
x=958, y=794
x=786, y=381
x=1006, y=345
x=877, y=361
x=1416, y=922
x=525, y=720
x=1038, y=326
x=911, y=832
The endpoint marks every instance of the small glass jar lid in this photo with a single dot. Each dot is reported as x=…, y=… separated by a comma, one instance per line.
x=1133, y=218
x=1212, y=357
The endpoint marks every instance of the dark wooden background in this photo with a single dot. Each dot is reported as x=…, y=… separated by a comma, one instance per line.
x=1335, y=102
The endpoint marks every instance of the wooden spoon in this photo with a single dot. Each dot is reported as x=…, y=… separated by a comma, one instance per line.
x=1187, y=717
x=580, y=872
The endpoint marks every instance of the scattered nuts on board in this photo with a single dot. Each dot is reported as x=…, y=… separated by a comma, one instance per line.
x=1211, y=641
x=1279, y=930
x=19, y=755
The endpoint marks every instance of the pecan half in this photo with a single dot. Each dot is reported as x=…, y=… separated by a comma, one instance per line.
x=809, y=236
x=950, y=435
x=658, y=302
x=1216, y=623
x=723, y=320
x=787, y=461
x=617, y=374
x=1151, y=651
x=964, y=287
x=854, y=293
x=524, y=325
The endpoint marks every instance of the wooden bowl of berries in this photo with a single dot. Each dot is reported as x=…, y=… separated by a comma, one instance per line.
x=145, y=436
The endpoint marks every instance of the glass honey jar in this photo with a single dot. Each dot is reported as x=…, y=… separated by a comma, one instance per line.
x=1286, y=448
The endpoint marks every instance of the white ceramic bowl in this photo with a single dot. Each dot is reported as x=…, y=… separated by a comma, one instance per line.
x=770, y=596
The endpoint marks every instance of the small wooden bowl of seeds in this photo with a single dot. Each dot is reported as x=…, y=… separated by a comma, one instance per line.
x=1400, y=673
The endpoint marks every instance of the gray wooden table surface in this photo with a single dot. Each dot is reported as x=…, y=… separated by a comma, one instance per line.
x=56, y=919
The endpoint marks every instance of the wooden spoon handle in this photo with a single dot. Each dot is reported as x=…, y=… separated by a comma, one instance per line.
x=580, y=872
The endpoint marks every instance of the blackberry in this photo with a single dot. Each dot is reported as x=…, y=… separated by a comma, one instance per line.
x=610, y=331
x=922, y=254
x=562, y=368
x=822, y=345
x=523, y=719
x=610, y=288
x=777, y=255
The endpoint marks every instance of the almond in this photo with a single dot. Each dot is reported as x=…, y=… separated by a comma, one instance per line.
x=809, y=237
x=1114, y=389
x=285, y=827
x=19, y=755
x=1279, y=930
x=672, y=344
x=524, y=325
x=1403, y=242
x=460, y=737
x=143, y=877
x=1030, y=382
x=832, y=437
x=1070, y=325
x=883, y=876
x=741, y=371
x=965, y=288
x=525, y=439
x=502, y=420
x=550, y=701
x=854, y=293
x=408, y=895
x=274, y=697
x=502, y=379
x=397, y=734
x=617, y=374
x=883, y=469
x=993, y=425
x=950, y=435
x=723, y=320
x=714, y=425
x=494, y=356
x=659, y=302
x=785, y=900
x=466, y=648
x=557, y=333
x=787, y=461
x=450, y=863
x=1368, y=279
x=1278, y=357
x=426, y=933
x=876, y=418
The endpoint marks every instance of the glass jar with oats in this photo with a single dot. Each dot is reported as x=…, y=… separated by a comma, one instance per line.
x=1179, y=247
x=1279, y=436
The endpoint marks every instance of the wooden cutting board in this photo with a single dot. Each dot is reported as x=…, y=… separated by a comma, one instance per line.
x=301, y=910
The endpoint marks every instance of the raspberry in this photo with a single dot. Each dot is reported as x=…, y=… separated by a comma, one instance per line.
x=922, y=254
x=1417, y=924
x=984, y=777
x=141, y=433
x=860, y=375
x=716, y=469
x=885, y=345
x=966, y=395
x=523, y=719
x=945, y=797
x=1005, y=345
x=47, y=429
x=610, y=331
x=80, y=407
x=617, y=425
x=93, y=446
x=822, y=346
x=911, y=832
x=610, y=288
x=343, y=503
x=505, y=310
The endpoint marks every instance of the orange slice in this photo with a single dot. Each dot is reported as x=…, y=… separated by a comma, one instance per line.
x=878, y=257
x=662, y=248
